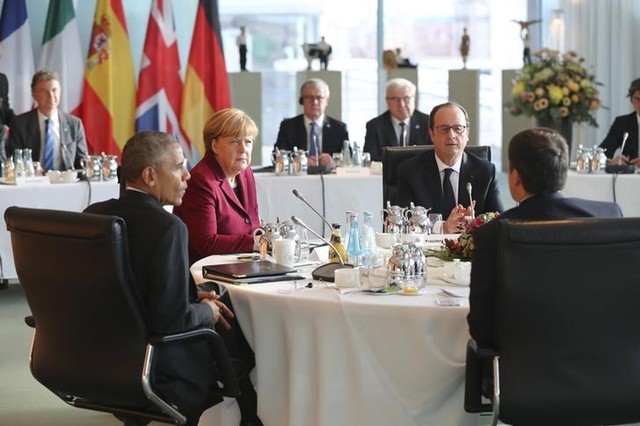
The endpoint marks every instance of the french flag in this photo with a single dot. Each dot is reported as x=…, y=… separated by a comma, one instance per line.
x=159, y=85
x=16, y=53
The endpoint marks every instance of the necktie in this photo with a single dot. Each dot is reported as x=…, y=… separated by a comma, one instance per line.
x=403, y=134
x=48, y=145
x=313, y=141
x=448, y=199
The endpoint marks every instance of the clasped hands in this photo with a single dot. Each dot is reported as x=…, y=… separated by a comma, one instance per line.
x=458, y=218
x=624, y=159
x=221, y=312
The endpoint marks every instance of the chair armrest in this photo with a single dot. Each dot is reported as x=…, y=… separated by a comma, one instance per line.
x=482, y=352
x=30, y=321
x=478, y=361
x=219, y=353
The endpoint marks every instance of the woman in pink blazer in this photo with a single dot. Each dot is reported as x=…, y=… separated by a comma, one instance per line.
x=220, y=205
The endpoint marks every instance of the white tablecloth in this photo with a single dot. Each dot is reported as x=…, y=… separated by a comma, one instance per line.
x=61, y=196
x=325, y=358
x=330, y=195
x=624, y=189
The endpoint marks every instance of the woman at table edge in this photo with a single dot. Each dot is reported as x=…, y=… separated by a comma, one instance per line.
x=220, y=205
x=628, y=124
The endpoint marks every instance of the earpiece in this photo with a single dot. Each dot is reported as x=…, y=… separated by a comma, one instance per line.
x=300, y=100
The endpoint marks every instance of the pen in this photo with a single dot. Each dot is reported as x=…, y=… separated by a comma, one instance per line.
x=249, y=257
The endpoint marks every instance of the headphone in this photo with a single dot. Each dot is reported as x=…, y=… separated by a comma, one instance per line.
x=301, y=100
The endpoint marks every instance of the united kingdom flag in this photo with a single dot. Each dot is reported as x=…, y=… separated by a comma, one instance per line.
x=159, y=94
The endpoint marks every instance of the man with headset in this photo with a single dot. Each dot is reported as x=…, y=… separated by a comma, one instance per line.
x=313, y=131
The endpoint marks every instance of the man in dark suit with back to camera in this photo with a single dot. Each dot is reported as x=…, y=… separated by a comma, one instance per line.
x=313, y=130
x=538, y=161
x=438, y=178
x=401, y=125
x=155, y=172
x=625, y=124
x=67, y=142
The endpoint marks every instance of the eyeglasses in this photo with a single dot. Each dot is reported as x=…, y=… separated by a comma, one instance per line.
x=404, y=99
x=457, y=128
x=313, y=98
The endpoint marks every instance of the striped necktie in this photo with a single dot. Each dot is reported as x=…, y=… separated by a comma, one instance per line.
x=48, y=144
x=313, y=141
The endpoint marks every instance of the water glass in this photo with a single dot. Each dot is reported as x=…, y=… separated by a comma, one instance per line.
x=366, y=159
x=337, y=159
x=436, y=224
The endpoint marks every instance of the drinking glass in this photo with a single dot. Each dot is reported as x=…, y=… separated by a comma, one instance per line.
x=337, y=159
x=435, y=224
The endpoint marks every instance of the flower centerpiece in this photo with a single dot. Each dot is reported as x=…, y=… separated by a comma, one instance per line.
x=462, y=248
x=556, y=87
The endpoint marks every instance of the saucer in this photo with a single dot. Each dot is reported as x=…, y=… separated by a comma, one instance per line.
x=454, y=281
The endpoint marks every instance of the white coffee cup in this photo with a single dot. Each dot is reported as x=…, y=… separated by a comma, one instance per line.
x=284, y=251
x=347, y=277
x=385, y=240
x=457, y=270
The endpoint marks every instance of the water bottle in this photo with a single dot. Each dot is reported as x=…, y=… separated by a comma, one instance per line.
x=346, y=154
x=367, y=239
x=353, y=246
x=336, y=240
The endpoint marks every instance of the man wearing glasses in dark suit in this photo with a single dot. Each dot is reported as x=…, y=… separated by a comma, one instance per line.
x=401, y=125
x=443, y=178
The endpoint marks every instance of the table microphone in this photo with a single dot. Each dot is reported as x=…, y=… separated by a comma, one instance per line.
x=297, y=194
x=327, y=271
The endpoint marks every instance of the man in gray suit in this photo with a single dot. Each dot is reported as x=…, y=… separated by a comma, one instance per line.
x=47, y=126
x=401, y=124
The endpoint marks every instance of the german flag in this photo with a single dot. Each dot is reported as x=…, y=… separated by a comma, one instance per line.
x=109, y=92
x=206, y=86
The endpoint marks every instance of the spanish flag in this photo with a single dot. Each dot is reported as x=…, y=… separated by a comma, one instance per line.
x=109, y=92
x=206, y=86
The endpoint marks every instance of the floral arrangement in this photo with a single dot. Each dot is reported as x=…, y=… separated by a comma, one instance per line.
x=554, y=87
x=462, y=248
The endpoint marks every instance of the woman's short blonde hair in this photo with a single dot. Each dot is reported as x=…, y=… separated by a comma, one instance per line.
x=228, y=122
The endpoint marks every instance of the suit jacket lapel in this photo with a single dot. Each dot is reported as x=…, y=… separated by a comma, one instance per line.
x=414, y=131
x=228, y=192
x=389, y=133
x=633, y=135
x=65, y=141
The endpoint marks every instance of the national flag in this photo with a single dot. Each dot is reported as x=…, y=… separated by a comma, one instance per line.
x=61, y=52
x=206, y=86
x=16, y=54
x=108, y=95
x=159, y=82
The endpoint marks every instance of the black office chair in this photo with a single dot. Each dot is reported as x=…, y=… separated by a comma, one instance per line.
x=567, y=321
x=91, y=345
x=393, y=156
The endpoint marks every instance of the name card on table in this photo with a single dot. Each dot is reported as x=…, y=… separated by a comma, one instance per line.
x=21, y=181
x=353, y=171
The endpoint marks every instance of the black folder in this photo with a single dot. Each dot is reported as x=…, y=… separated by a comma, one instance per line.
x=249, y=272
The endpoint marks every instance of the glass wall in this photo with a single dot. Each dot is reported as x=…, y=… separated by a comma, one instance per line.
x=429, y=35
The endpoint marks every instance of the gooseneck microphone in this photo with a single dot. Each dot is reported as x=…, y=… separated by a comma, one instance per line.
x=327, y=271
x=297, y=194
x=624, y=142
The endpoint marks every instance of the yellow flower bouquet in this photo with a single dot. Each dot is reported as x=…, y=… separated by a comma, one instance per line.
x=556, y=87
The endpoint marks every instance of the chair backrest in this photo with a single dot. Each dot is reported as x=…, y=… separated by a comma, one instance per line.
x=90, y=334
x=393, y=156
x=568, y=321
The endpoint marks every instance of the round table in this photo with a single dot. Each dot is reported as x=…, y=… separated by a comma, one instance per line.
x=326, y=357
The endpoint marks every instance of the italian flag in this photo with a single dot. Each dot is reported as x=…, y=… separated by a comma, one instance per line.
x=61, y=52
